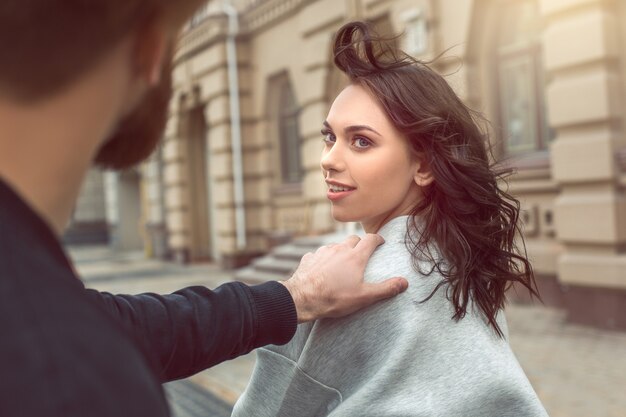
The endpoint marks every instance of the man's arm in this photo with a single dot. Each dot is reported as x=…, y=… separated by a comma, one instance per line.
x=196, y=328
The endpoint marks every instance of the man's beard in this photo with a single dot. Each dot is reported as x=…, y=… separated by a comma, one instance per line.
x=138, y=134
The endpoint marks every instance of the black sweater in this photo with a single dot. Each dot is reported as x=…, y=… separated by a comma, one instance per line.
x=70, y=351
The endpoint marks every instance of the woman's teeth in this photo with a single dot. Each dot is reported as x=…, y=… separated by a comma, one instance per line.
x=336, y=189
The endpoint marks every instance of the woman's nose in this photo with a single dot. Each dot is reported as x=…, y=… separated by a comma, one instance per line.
x=332, y=159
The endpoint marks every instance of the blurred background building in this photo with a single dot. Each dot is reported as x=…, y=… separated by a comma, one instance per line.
x=238, y=170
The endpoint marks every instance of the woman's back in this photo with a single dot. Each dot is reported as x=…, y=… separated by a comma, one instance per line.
x=398, y=358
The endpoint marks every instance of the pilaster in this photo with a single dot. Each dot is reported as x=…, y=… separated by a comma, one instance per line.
x=317, y=43
x=585, y=108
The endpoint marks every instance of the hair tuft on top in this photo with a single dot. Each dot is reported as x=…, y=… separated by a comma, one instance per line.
x=359, y=51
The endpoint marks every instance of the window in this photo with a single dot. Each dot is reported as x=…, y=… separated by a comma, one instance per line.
x=416, y=32
x=520, y=78
x=289, y=135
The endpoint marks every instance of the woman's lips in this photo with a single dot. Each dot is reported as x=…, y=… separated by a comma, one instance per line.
x=338, y=195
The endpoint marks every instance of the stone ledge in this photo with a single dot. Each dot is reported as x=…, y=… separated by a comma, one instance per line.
x=605, y=271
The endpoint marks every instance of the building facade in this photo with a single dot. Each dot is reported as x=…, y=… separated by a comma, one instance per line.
x=88, y=224
x=239, y=166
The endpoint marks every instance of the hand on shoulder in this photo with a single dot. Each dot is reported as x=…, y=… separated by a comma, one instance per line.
x=329, y=282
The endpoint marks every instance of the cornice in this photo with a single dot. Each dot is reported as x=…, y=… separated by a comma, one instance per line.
x=263, y=12
x=211, y=29
x=253, y=16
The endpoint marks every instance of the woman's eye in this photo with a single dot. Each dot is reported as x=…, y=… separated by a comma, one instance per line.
x=328, y=137
x=361, y=143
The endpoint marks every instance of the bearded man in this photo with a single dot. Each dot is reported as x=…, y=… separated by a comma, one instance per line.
x=86, y=82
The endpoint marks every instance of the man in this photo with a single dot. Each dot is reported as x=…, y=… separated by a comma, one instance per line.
x=83, y=82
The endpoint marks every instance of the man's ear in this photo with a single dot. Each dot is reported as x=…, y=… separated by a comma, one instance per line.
x=423, y=173
x=151, y=45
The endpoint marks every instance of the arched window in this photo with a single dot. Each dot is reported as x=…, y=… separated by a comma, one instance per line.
x=288, y=131
x=521, y=83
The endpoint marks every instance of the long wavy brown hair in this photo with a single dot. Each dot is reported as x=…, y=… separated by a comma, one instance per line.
x=465, y=215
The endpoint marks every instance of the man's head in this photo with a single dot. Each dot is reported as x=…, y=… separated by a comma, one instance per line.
x=48, y=44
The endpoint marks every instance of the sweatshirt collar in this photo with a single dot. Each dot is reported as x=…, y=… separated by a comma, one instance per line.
x=395, y=229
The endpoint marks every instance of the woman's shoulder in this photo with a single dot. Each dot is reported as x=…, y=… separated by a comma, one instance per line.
x=395, y=255
x=394, y=259
x=391, y=255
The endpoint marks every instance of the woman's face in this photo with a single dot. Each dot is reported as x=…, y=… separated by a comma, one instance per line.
x=366, y=162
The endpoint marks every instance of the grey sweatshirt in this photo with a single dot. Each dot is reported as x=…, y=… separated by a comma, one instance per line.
x=397, y=358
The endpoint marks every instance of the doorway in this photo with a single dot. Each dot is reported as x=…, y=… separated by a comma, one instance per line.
x=199, y=182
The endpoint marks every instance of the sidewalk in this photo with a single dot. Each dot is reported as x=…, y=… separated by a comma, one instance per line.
x=576, y=371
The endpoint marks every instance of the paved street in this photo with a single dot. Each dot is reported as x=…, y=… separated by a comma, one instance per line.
x=576, y=371
x=188, y=399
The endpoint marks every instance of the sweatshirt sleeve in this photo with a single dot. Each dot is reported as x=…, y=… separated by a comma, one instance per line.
x=195, y=328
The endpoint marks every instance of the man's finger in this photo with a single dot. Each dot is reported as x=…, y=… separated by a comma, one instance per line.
x=368, y=244
x=352, y=241
x=325, y=247
x=386, y=289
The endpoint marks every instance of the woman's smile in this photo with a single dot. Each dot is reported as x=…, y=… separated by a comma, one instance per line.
x=338, y=191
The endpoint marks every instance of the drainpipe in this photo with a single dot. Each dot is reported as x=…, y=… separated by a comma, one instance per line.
x=235, y=123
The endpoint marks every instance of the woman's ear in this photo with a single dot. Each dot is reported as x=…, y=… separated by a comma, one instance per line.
x=423, y=173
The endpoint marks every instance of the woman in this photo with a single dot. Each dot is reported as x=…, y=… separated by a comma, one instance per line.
x=404, y=157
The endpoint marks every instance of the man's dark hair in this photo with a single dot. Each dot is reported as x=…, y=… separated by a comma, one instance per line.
x=46, y=44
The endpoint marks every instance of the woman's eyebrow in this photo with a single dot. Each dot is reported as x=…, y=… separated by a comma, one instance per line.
x=357, y=128
x=354, y=128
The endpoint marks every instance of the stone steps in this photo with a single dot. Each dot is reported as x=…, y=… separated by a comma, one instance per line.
x=274, y=264
x=251, y=276
x=283, y=260
x=293, y=251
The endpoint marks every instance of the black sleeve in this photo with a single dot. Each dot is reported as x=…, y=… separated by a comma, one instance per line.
x=195, y=328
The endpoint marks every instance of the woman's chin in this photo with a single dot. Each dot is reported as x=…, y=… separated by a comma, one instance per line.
x=344, y=217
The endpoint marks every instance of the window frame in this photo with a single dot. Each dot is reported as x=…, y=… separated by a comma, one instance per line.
x=288, y=129
x=504, y=55
x=277, y=114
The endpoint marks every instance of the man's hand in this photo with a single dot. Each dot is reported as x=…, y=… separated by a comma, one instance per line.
x=329, y=282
